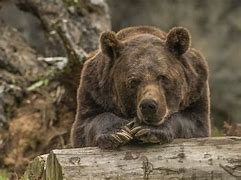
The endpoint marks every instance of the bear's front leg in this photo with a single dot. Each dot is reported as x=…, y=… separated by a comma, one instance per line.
x=152, y=134
x=104, y=130
x=114, y=138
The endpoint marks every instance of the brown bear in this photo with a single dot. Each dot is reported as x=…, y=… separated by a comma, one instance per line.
x=142, y=85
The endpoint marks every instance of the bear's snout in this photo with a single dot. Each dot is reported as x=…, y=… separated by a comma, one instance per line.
x=152, y=106
x=148, y=106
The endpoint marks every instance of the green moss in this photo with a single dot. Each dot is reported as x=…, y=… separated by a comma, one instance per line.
x=3, y=175
x=216, y=132
x=35, y=170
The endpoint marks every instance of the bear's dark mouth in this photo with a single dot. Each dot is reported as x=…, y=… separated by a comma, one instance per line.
x=158, y=123
x=152, y=119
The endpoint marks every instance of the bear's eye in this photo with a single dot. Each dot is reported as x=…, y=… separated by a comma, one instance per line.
x=163, y=79
x=133, y=83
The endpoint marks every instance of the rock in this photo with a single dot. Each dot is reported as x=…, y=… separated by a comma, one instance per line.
x=36, y=111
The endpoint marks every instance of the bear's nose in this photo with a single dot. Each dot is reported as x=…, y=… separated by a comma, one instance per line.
x=148, y=106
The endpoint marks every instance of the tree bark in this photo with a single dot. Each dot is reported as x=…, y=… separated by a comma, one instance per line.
x=204, y=158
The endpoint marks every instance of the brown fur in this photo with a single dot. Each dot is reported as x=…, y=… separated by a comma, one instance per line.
x=136, y=65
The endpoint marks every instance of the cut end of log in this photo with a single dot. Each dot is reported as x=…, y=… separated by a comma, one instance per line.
x=54, y=170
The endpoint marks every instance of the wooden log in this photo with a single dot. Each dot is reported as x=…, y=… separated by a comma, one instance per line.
x=204, y=158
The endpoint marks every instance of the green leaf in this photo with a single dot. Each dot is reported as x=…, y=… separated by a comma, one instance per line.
x=38, y=84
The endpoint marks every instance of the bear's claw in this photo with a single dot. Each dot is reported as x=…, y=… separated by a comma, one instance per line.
x=129, y=132
x=145, y=135
x=127, y=129
x=131, y=124
x=135, y=130
x=123, y=136
x=117, y=138
x=142, y=132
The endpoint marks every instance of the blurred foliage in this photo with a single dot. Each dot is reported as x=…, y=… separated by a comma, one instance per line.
x=71, y=2
x=3, y=175
x=38, y=84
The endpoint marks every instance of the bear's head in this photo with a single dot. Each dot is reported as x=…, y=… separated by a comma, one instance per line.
x=148, y=73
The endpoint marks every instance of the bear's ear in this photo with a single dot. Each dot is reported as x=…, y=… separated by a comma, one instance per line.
x=110, y=45
x=178, y=40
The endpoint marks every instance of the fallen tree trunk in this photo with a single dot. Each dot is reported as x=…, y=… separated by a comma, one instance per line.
x=206, y=158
